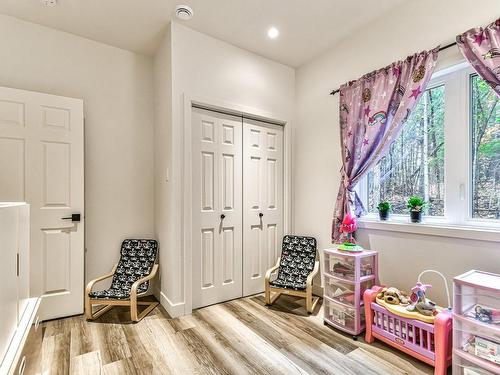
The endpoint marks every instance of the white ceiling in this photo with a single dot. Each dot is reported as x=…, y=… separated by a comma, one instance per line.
x=308, y=27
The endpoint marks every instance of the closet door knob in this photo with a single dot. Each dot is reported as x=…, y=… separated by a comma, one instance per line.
x=222, y=216
x=261, y=214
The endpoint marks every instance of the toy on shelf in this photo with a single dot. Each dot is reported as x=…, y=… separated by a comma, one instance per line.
x=485, y=314
x=425, y=337
x=347, y=228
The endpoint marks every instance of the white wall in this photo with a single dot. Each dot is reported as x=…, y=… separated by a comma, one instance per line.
x=206, y=67
x=412, y=27
x=117, y=90
x=162, y=73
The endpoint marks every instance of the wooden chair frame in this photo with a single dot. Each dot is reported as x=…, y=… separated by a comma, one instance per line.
x=110, y=303
x=311, y=301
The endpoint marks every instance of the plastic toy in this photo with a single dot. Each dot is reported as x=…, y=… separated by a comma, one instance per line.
x=393, y=296
x=487, y=314
x=347, y=228
x=425, y=337
x=420, y=302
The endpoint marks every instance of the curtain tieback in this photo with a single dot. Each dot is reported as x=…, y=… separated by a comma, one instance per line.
x=347, y=181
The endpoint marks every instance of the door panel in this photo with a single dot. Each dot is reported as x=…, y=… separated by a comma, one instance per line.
x=42, y=137
x=217, y=189
x=262, y=201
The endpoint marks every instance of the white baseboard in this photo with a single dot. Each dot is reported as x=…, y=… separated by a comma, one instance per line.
x=174, y=309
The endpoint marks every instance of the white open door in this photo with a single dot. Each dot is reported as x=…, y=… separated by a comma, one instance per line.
x=41, y=162
x=217, y=200
x=262, y=201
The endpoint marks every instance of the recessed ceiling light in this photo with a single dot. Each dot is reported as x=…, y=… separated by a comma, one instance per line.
x=184, y=12
x=49, y=3
x=273, y=33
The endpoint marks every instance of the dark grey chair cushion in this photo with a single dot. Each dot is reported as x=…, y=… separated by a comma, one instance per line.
x=136, y=261
x=298, y=254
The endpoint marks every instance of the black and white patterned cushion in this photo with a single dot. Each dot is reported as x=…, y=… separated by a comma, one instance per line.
x=298, y=254
x=136, y=261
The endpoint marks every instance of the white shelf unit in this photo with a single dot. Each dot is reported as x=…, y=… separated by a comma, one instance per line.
x=20, y=334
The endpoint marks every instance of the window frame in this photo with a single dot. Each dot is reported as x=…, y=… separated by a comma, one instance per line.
x=458, y=197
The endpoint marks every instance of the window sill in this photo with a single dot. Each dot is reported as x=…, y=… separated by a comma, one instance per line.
x=432, y=228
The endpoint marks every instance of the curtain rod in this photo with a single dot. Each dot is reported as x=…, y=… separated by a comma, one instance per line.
x=440, y=49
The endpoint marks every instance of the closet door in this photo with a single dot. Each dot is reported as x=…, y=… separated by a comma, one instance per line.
x=217, y=207
x=262, y=201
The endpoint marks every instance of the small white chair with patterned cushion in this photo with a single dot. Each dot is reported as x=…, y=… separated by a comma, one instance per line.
x=131, y=276
x=296, y=267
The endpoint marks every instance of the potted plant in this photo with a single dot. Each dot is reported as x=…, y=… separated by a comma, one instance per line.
x=416, y=205
x=383, y=210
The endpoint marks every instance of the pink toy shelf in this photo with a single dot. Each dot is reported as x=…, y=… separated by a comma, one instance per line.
x=430, y=343
x=346, y=276
x=476, y=323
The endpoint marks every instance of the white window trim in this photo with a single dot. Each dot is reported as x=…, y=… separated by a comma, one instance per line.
x=457, y=220
x=401, y=223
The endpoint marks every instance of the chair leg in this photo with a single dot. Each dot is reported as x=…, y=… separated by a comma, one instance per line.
x=309, y=302
x=146, y=311
x=88, y=308
x=133, y=309
x=89, y=315
x=134, y=316
x=267, y=297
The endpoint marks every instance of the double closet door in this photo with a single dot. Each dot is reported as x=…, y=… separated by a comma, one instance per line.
x=237, y=204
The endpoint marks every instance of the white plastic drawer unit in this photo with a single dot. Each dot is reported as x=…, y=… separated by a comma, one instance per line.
x=476, y=323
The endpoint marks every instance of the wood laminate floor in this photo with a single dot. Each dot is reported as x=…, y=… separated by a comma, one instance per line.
x=237, y=337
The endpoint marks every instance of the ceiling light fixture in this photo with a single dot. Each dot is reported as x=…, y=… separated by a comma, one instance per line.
x=273, y=33
x=49, y=3
x=184, y=12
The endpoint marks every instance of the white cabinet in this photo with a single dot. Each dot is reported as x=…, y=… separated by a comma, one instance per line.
x=8, y=275
x=14, y=270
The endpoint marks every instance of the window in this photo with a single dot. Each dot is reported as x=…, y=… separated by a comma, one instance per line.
x=485, y=150
x=414, y=164
x=448, y=152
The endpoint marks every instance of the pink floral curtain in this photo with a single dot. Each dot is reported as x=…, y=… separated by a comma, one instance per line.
x=372, y=112
x=481, y=47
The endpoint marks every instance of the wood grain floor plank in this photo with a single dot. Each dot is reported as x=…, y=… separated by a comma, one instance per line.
x=86, y=364
x=56, y=354
x=237, y=337
x=112, y=342
x=235, y=361
x=305, y=325
x=249, y=344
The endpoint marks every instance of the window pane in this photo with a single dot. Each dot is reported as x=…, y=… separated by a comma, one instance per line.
x=414, y=164
x=485, y=122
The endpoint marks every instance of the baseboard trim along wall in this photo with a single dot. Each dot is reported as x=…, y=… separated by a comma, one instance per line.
x=174, y=309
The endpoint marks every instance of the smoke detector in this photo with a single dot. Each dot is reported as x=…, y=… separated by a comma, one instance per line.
x=183, y=12
x=49, y=3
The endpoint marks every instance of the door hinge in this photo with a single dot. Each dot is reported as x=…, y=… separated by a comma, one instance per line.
x=17, y=264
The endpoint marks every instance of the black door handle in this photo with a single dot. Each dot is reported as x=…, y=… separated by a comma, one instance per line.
x=73, y=217
x=261, y=214
x=222, y=216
